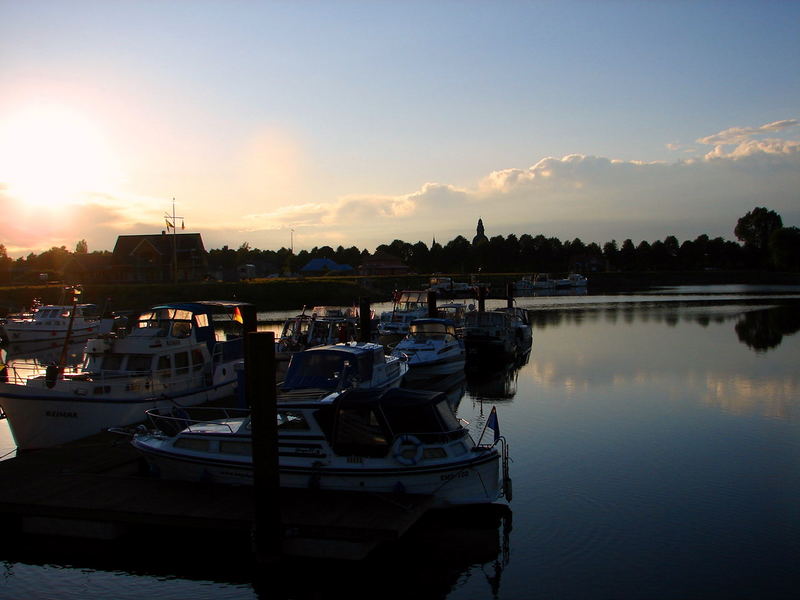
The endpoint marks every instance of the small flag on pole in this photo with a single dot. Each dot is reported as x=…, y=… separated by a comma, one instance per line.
x=237, y=315
x=493, y=424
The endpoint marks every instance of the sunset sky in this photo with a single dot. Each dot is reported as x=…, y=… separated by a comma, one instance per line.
x=356, y=123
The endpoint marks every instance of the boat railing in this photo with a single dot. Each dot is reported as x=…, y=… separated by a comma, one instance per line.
x=181, y=418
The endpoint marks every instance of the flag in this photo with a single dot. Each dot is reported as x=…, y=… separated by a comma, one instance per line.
x=237, y=315
x=182, y=225
x=493, y=424
x=168, y=223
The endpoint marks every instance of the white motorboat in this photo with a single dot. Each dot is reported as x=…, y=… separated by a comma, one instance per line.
x=50, y=323
x=335, y=367
x=573, y=280
x=535, y=283
x=447, y=287
x=490, y=335
x=407, y=306
x=432, y=345
x=176, y=354
x=363, y=440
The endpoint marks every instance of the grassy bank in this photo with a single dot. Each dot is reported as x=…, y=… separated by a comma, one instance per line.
x=287, y=294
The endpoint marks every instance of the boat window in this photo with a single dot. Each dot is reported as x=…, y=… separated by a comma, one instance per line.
x=197, y=359
x=112, y=362
x=181, y=363
x=201, y=320
x=181, y=329
x=139, y=362
x=434, y=453
x=164, y=365
x=358, y=433
x=291, y=420
x=194, y=444
x=237, y=448
x=183, y=315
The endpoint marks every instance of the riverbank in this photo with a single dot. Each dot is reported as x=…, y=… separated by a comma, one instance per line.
x=294, y=293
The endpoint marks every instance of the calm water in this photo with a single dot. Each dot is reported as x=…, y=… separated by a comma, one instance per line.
x=656, y=454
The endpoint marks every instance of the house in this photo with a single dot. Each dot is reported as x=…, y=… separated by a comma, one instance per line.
x=324, y=266
x=382, y=263
x=148, y=258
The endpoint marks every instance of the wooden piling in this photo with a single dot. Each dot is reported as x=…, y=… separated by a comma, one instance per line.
x=262, y=396
x=481, y=298
x=433, y=312
x=510, y=294
x=364, y=321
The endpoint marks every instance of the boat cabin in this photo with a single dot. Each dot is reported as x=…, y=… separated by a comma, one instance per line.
x=432, y=329
x=362, y=422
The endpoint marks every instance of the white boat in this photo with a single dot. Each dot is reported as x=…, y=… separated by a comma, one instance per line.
x=51, y=323
x=446, y=287
x=573, y=280
x=335, y=367
x=533, y=283
x=362, y=440
x=176, y=354
x=490, y=335
x=522, y=326
x=407, y=306
x=433, y=346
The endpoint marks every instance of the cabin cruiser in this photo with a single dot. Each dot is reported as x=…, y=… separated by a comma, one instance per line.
x=50, y=323
x=573, y=280
x=490, y=335
x=363, y=440
x=176, y=354
x=407, y=306
x=432, y=345
x=522, y=326
x=446, y=287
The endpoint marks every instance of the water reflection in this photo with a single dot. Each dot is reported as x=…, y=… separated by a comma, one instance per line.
x=763, y=330
x=495, y=381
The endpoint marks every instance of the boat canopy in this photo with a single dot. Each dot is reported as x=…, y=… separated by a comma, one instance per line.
x=366, y=422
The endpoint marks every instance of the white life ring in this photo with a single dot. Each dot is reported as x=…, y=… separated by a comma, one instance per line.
x=403, y=443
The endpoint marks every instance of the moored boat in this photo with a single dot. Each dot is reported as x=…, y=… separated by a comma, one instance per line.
x=178, y=354
x=490, y=335
x=432, y=345
x=364, y=440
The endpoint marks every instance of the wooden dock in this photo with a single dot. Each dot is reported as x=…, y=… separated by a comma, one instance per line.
x=98, y=488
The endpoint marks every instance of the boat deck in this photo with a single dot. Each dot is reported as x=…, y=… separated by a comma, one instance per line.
x=97, y=488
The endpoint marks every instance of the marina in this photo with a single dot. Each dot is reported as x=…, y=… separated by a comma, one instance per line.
x=650, y=455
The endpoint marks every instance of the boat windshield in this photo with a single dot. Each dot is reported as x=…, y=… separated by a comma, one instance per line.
x=326, y=369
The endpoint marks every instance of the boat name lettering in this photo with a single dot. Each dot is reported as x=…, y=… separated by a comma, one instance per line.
x=457, y=475
x=62, y=413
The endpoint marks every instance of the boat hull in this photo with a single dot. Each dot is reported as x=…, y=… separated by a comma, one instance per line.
x=472, y=481
x=41, y=418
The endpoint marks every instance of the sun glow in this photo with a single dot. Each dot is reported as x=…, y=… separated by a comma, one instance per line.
x=51, y=156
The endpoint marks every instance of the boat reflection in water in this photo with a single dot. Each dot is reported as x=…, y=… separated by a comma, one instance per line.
x=497, y=381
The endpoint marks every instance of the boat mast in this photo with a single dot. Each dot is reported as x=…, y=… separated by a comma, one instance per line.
x=76, y=294
x=172, y=221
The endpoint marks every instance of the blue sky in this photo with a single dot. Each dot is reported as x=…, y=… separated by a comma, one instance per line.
x=356, y=123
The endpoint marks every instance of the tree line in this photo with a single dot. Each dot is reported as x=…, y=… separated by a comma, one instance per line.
x=764, y=243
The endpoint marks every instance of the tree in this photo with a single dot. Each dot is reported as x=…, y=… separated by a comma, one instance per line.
x=82, y=247
x=784, y=248
x=756, y=226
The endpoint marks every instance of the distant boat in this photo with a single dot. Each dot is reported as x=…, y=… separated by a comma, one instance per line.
x=51, y=322
x=573, y=280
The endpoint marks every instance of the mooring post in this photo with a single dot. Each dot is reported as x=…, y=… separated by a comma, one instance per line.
x=433, y=312
x=259, y=361
x=364, y=321
x=510, y=294
x=481, y=298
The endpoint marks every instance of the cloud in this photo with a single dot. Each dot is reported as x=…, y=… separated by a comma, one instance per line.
x=737, y=135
